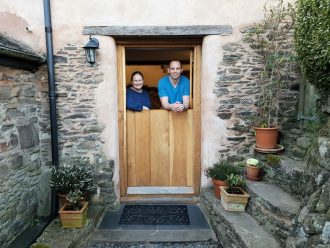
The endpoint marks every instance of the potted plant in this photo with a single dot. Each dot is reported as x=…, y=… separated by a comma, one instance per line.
x=233, y=197
x=73, y=174
x=74, y=211
x=219, y=172
x=253, y=169
x=270, y=40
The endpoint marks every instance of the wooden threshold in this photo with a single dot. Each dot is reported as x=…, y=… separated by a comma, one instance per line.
x=153, y=199
x=159, y=190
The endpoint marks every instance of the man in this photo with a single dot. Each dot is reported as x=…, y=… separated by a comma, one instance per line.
x=174, y=89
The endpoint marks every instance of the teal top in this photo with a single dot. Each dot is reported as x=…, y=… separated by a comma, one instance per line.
x=165, y=88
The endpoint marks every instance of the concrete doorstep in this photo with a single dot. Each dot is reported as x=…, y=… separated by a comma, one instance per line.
x=197, y=234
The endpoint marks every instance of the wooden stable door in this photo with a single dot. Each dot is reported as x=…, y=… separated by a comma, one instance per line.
x=159, y=149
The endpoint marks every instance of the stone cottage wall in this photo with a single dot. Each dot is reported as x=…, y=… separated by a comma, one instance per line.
x=79, y=130
x=237, y=91
x=23, y=101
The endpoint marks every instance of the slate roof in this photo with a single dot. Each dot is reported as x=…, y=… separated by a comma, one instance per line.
x=17, y=50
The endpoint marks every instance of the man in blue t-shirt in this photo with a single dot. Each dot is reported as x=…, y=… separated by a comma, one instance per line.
x=174, y=89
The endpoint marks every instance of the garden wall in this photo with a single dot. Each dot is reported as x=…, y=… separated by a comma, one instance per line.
x=24, y=147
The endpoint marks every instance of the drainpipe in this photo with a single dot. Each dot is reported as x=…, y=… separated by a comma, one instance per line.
x=52, y=98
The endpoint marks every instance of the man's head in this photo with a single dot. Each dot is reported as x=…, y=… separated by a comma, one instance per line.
x=175, y=69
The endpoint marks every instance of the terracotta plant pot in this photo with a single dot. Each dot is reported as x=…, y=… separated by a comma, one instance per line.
x=217, y=184
x=266, y=138
x=234, y=202
x=252, y=173
x=71, y=218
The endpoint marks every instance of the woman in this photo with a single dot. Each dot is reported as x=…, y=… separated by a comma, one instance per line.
x=137, y=99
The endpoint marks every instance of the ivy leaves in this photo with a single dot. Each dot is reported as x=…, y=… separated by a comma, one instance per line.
x=312, y=41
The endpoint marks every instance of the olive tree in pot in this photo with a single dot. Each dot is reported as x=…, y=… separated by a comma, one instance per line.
x=219, y=172
x=271, y=39
x=73, y=174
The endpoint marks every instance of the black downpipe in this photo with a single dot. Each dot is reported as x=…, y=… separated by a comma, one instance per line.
x=52, y=98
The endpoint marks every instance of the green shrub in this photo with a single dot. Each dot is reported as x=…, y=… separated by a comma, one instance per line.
x=312, y=42
x=221, y=170
x=73, y=174
x=234, y=181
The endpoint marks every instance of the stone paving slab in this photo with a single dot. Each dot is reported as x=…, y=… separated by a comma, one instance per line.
x=196, y=235
x=154, y=245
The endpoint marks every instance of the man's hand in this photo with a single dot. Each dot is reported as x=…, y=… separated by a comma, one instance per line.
x=178, y=107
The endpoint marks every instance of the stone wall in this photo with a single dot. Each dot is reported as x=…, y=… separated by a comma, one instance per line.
x=23, y=101
x=79, y=130
x=312, y=227
x=237, y=90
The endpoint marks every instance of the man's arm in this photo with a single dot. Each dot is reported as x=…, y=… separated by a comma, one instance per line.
x=186, y=102
x=165, y=104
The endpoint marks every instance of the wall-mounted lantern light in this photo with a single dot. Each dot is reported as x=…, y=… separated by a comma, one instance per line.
x=90, y=50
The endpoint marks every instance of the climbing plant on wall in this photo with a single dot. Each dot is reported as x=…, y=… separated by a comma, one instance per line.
x=312, y=41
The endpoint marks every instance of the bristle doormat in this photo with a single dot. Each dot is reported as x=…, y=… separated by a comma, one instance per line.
x=155, y=215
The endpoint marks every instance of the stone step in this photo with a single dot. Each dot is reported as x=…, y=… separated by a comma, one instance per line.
x=235, y=229
x=290, y=175
x=272, y=207
x=152, y=245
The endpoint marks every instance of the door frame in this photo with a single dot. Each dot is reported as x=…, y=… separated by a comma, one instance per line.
x=192, y=43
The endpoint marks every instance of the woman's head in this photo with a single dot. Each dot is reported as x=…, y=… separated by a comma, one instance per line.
x=137, y=80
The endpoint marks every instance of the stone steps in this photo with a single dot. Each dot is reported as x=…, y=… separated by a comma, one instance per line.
x=290, y=176
x=272, y=207
x=235, y=229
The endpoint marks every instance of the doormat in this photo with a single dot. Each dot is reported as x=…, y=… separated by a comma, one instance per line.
x=155, y=215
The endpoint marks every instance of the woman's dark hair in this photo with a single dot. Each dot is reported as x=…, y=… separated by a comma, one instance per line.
x=136, y=73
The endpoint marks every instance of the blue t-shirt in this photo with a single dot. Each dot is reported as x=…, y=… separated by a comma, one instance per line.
x=165, y=88
x=135, y=100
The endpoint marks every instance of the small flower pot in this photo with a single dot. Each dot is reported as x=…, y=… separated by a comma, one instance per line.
x=217, y=183
x=253, y=173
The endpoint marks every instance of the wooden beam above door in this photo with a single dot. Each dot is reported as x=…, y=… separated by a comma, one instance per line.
x=155, y=31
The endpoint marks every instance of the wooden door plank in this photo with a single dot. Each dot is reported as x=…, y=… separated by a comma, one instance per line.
x=197, y=119
x=131, y=142
x=121, y=87
x=178, y=144
x=159, y=148
x=191, y=105
x=142, y=148
x=190, y=147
